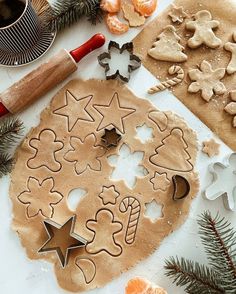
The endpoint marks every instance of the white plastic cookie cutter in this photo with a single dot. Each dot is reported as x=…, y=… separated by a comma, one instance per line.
x=224, y=182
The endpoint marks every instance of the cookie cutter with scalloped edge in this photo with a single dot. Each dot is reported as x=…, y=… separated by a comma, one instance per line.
x=135, y=61
x=224, y=182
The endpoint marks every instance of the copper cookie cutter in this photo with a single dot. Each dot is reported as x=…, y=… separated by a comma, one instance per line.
x=135, y=61
x=181, y=187
x=111, y=138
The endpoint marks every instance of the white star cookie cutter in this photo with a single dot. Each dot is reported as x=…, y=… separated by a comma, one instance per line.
x=224, y=182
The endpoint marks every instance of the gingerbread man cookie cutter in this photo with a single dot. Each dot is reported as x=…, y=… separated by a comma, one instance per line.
x=135, y=61
x=224, y=182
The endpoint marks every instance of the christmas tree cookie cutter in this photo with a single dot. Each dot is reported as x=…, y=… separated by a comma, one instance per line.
x=224, y=182
x=135, y=61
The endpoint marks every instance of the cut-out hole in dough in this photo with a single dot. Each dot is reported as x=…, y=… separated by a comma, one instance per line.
x=74, y=198
x=153, y=211
x=128, y=162
x=144, y=133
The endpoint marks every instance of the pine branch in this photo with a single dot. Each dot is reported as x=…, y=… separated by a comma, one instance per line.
x=10, y=132
x=219, y=241
x=6, y=164
x=64, y=13
x=197, y=278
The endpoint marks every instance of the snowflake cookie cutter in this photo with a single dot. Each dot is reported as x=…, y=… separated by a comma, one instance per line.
x=224, y=182
x=135, y=61
x=52, y=228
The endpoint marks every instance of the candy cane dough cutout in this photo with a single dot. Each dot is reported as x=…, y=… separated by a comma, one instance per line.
x=175, y=69
x=133, y=203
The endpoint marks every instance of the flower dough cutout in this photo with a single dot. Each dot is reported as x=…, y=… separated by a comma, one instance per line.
x=75, y=110
x=211, y=148
x=177, y=14
x=231, y=107
x=160, y=181
x=109, y=195
x=104, y=228
x=223, y=184
x=40, y=197
x=231, y=47
x=46, y=147
x=167, y=47
x=113, y=114
x=88, y=147
x=207, y=81
x=203, y=26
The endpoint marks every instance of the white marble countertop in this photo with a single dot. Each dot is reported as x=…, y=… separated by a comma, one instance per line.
x=21, y=275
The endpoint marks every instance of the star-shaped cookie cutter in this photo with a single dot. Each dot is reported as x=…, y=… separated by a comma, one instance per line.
x=51, y=227
x=111, y=138
x=224, y=182
x=135, y=61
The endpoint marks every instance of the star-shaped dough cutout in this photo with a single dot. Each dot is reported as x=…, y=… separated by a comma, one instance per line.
x=211, y=148
x=111, y=138
x=62, y=239
x=75, y=110
x=177, y=14
x=109, y=195
x=113, y=114
x=160, y=181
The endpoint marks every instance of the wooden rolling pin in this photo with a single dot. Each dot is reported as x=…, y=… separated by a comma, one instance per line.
x=44, y=78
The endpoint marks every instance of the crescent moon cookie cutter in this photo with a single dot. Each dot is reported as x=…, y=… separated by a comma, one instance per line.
x=224, y=182
x=134, y=61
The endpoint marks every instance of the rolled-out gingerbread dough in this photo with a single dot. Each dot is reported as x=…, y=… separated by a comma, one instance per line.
x=55, y=159
x=211, y=113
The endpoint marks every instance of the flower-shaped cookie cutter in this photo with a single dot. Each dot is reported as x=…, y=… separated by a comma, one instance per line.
x=135, y=61
x=224, y=182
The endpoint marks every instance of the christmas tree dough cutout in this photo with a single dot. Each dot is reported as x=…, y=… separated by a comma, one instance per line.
x=164, y=154
x=167, y=47
x=203, y=26
x=111, y=214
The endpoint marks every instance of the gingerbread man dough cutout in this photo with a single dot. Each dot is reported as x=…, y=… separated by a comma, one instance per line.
x=203, y=26
x=105, y=229
x=231, y=47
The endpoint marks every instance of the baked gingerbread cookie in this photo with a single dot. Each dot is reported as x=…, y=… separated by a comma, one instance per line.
x=204, y=31
x=91, y=129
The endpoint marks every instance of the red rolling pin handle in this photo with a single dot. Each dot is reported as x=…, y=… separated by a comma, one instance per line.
x=95, y=42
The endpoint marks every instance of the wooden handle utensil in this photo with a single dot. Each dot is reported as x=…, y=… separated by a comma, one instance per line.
x=45, y=77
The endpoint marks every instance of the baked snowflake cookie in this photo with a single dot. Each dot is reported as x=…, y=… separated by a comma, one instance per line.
x=90, y=139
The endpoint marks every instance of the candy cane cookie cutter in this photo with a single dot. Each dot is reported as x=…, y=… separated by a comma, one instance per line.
x=135, y=61
x=175, y=69
x=135, y=210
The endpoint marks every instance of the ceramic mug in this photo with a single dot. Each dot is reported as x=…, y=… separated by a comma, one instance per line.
x=22, y=34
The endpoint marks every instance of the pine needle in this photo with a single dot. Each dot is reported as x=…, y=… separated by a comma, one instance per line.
x=10, y=131
x=197, y=278
x=6, y=164
x=219, y=240
x=64, y=13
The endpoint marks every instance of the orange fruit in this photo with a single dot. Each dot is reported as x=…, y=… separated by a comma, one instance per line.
x=111, y=6
x=141, y=286
x=115, y=25
x=145, y=7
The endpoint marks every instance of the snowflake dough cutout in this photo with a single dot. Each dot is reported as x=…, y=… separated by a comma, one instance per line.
x=203, y=26
x=231, y=107
x=177, y=14
x=224, y=178
x=211, y=148
x=231, y=47
x=40, y=197
x=207, y=81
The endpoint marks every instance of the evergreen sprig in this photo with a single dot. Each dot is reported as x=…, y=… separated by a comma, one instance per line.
x=10, y=131
x=219, y=241
x=64, y=13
